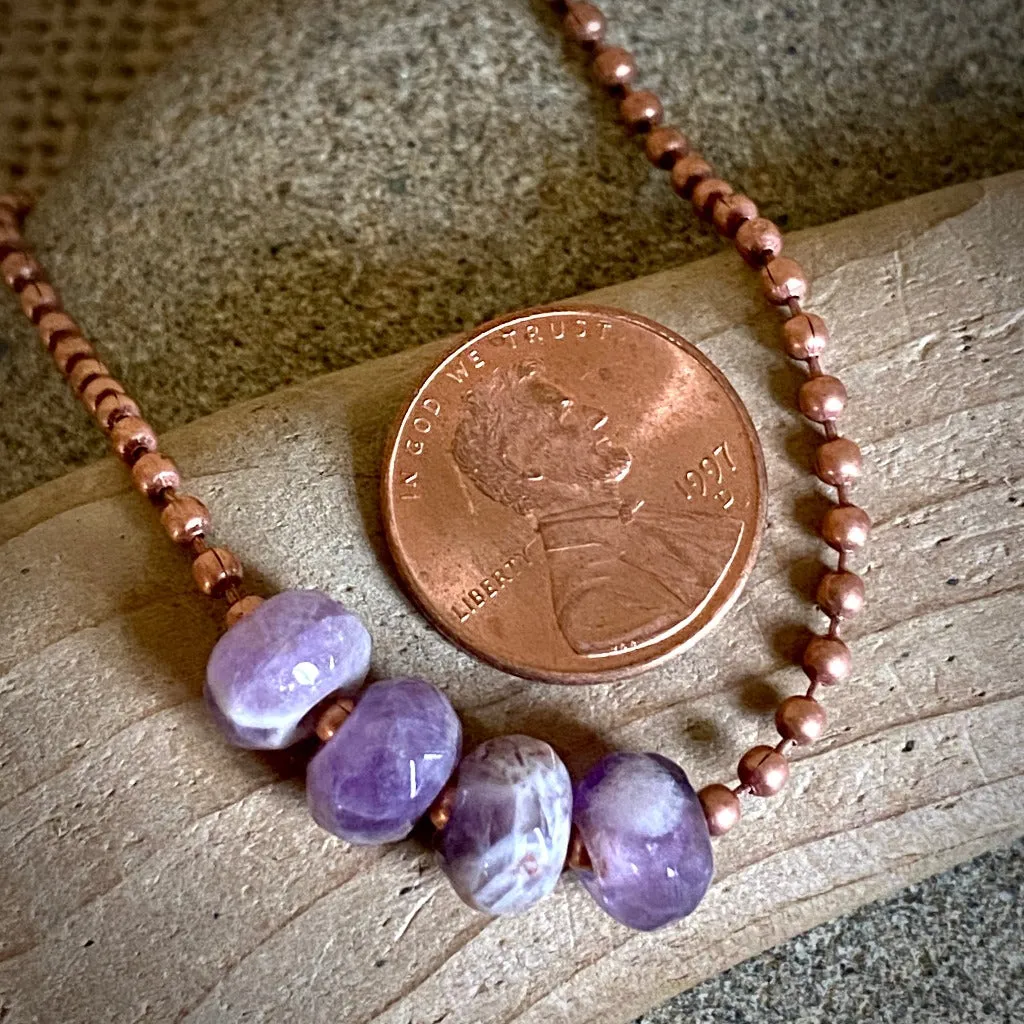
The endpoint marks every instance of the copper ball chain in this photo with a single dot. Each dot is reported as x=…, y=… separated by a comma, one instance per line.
x=800, y=719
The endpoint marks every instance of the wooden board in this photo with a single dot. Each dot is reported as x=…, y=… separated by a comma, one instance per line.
x=150, y=872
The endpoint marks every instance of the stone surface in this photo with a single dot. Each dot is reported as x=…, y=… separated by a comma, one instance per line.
x=504, y=847
x=644, y=831
x=380, y=772
x=267, y=673
x=143, y=854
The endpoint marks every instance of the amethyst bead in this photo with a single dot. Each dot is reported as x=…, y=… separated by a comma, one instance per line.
x=273, y=667
x=386, y=764
x=644, y=829
x=504, y=844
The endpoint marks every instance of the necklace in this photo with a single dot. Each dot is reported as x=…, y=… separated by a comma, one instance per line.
x=507, y=816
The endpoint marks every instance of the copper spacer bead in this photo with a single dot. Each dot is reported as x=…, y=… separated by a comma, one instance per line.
x=584, y=23
x=240, y=608
x=641, y=110
x=721, y=808
x=334, y=715
x=84, y=370
x=800, y=719
x=845, y=527
x=841, y=594
x=688, y=172
x=131, y=438
x=614, y=67
x=114, y=407
x=215, y=569
x=577, y=857
x=706, y=192
x=37, y=299
x=827, y=661
x=19, y=269
x=822, y=399
x=758, y=241
x=440, y=812
x=69, y=351
x=154, y=473
x=838, y=462
x=55, y=326
x=665, y=145
x=805, y=336
x=783, y=279
x=185, y=518
x=730, y=211
x=99, y=388
x=763, y=770
x=18, y=202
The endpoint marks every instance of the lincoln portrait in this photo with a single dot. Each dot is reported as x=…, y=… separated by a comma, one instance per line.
x=624, y=572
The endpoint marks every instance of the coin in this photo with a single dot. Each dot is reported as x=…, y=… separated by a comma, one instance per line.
x=574, y=495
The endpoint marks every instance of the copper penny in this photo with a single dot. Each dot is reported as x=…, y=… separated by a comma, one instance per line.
x=574, y=494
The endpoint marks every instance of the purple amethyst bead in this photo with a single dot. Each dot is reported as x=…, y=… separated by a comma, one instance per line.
x=504, y=844
x=272, y=668
x=386, y=765
x=644, y=829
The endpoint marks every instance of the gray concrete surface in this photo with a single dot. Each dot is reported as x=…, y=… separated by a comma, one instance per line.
x=386, y=176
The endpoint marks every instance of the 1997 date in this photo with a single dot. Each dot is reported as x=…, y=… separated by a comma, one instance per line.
x=708, y=479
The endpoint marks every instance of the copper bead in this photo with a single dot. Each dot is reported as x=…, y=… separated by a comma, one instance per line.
x=240, y=608
x=763, y=770
x=19, y=268
x=838, y=462
x=584, y=23
x=84, y=370
x=185, y=518
x=577, y=857
x=706, y=192
x=783, y=279
x=614, y=67
x=827, y=661
x=69, y=351
x=845, y=527
x=688, y=172
x=641, y=110
x=334, y=715
x=96, y=390
x=113, y=407
x=18, y=202
x=805, y=336
x=216, y=569
x=440, y=812
x=800, y=719
x=154, y=473
x=55, y=326
x=822, y=398
x=730, y=211
x=841, y=594
x=131, y=437
x=721, y=808
x=665, y=145
x=758, y=240
x=37, y=299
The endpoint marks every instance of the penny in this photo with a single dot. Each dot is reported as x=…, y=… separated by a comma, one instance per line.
x=574, y=495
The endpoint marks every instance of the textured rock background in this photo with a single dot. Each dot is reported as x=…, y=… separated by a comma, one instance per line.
x=316, y=183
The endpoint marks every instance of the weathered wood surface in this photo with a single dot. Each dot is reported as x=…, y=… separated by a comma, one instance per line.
x=149, y=872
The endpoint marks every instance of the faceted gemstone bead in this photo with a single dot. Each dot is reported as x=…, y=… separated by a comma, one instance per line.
x=386, y=764
x=271, y=669
x=647, y=839
x=505, y=842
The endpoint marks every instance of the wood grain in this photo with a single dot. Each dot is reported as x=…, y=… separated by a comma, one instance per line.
x=149, y=872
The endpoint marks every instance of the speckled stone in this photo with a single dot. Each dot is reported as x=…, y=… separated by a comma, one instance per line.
x=386, y=765
x=273, y=667
x=644, y=830
x=504, y=846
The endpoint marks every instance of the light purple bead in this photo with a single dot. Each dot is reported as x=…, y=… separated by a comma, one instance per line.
x=504, y=845
x=273, y=667
x=386, y=765
x=644, y=829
